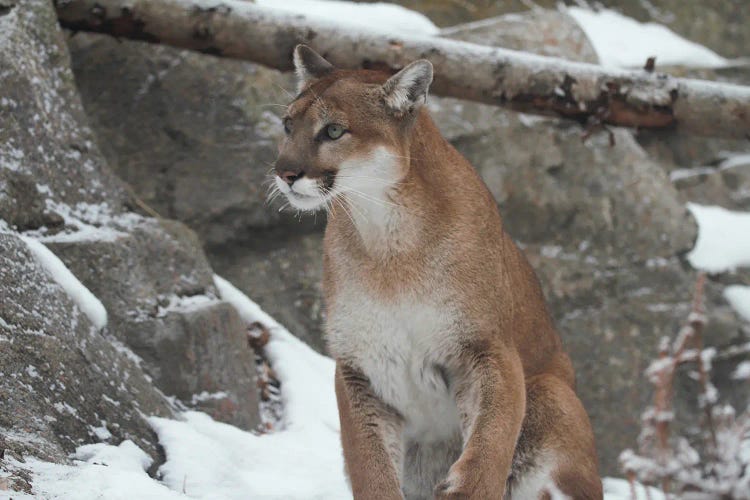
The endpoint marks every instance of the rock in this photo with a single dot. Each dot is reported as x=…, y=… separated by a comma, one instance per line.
x=283, y=274
x=726, y=184
x=554, y=188
x=158, y=289
x=63, y=384
x=195, y=136
x=206, y=165
x=543, y=32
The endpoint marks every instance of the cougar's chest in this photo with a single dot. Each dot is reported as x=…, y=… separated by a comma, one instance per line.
x=404, y=347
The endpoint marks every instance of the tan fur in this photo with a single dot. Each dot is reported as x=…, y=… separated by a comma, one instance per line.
x=436, y=241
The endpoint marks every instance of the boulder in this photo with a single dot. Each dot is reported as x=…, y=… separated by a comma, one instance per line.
x=62, y=382
x=283, y=275
x=207, y=165
x=195, y=136
x=544, y=32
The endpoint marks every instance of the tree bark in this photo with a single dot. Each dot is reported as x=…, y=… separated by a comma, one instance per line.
x=515, y=80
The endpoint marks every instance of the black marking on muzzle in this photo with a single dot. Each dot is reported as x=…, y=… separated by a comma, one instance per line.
x=329, y=178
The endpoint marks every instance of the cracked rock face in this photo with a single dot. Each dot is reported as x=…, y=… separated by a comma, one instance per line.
x=64, y=382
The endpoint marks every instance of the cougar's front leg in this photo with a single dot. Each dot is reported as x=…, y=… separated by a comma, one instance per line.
x=371, y=437
x=490, y=396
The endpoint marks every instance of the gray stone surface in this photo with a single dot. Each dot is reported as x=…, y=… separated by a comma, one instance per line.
x=195, y=136
x=283, y=274
x=60, y=377
x=544, y=32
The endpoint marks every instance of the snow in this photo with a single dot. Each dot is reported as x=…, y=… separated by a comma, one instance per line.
x=306, y=377
x=624, y=42
x=87, y=222
x=723, y=242
x=378, y=16
x=86, y=301
x=101, y=471
x=181, y=303
x=742, y=372
x=738, y=297
x=210, y=460
x=619, y=489
x=735, y=160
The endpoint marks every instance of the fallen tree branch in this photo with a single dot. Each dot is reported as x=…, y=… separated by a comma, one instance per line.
x=514, y=80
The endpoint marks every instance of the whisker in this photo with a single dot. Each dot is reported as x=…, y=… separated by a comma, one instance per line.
x=345, y=210
x=353, y=206
x=376, y=179
x=403, y=157
x=284, y=90
x=370, y=198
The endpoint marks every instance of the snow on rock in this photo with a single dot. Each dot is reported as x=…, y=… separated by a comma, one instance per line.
x=373, y=16
x=624, y=42
x=179, y=303
x=306, y=377
x=86, y=301
x=100, y=471
x=723, y=242
x=619, y=489
x=738, y=297
x=87, y=222
x=742, y=372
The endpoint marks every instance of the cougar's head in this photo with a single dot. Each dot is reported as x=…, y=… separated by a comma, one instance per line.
x=347, y=132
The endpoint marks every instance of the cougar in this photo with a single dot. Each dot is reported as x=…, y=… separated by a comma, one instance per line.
x=451, y=379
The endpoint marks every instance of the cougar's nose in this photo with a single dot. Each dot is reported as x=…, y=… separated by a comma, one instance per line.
x=289, y=177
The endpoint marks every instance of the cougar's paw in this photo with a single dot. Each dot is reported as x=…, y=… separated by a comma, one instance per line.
x=460, y=484
x=447, y=490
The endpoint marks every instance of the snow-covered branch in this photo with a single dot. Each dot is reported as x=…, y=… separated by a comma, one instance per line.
x=516, y=80
x=671, y=462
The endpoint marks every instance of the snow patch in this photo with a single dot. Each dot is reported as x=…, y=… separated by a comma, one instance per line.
x=86, y=301
x=100, y=471
x=734, y=160
x=372, y=16
x=738, y=297
x=209, y=460
x=621, y=41
x=742, y=372
x=207, y=396
x=306, y=377
x=182, y=304
x=723, y=242
x=619, y=489
x=88, y=222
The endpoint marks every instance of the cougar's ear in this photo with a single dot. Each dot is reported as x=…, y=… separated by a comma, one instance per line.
x=309, y=65
x=406, y=91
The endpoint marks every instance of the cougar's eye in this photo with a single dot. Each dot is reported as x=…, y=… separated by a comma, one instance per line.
x=334, y=131
x=287, y=126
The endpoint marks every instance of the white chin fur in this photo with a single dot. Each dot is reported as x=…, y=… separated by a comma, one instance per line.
x=303, y=195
